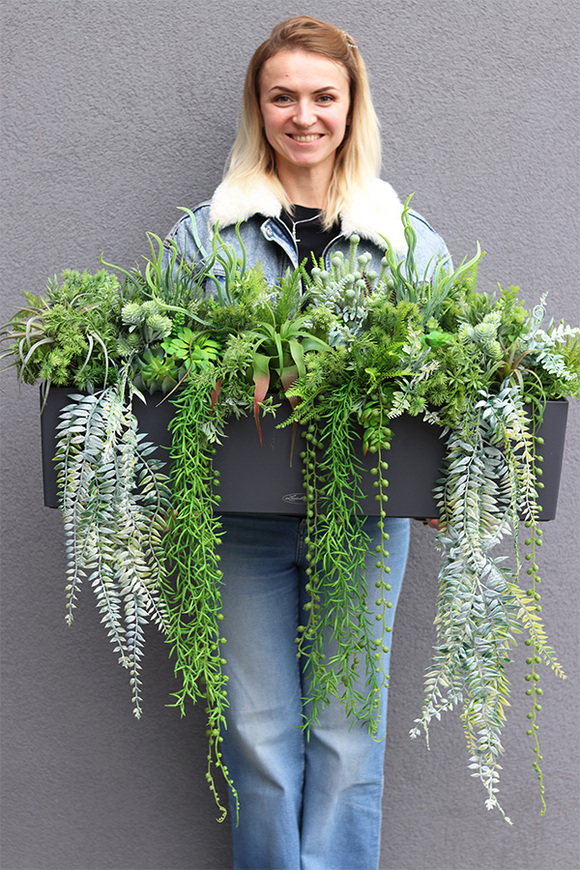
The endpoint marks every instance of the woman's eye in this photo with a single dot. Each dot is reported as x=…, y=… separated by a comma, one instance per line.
x=282, y=99
x=325, y=98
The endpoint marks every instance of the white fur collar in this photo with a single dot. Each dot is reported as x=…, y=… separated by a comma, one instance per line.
x=374, y=211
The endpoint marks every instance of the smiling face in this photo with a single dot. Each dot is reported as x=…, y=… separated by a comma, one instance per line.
x=305, y=103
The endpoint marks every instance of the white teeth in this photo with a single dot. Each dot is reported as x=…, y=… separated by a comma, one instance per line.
x=310, y=138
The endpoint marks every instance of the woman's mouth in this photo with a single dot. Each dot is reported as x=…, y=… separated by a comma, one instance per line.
x=310, y=137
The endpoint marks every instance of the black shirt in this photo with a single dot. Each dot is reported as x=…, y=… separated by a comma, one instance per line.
x=306, y=229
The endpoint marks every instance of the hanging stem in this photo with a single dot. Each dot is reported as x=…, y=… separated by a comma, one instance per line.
x=193, y=592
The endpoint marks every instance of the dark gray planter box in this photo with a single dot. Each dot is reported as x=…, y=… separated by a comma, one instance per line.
x=265, y=478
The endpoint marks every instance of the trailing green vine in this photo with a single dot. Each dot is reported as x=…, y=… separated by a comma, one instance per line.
x=380, y=443
x=338, y=628
x=536, y=645
x=192, y=589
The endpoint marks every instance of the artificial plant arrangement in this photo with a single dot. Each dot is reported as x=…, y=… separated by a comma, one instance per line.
x=338, y=353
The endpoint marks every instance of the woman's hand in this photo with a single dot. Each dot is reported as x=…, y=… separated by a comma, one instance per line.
x=434, y=523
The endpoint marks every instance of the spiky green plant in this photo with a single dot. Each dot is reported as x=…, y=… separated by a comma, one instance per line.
x=67, y=335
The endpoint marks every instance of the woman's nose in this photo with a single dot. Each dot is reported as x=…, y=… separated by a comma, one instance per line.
x=304, y=115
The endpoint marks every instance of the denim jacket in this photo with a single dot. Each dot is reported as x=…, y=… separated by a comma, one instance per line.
x=374, y=213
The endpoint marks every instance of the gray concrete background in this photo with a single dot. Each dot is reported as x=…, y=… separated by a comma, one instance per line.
x=113, y=115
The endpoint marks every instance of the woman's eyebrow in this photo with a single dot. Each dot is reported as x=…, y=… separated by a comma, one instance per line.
x=287, y=90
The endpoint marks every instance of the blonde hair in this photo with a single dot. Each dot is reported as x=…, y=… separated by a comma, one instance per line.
x=358, y=157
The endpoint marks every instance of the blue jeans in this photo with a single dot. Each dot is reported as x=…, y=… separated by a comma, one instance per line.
x=305, y=804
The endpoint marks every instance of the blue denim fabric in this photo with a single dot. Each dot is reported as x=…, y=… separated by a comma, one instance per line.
x=267, y=241
x=304, y=804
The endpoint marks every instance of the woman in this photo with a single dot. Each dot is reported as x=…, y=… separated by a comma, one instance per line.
x=302, y=178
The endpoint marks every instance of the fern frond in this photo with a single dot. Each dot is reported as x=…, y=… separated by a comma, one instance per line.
x=488, y=477
x=114, y=500
x=528, y=615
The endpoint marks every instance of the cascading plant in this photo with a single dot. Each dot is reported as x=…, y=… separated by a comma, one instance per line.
x=353, y=352
x=115, y=503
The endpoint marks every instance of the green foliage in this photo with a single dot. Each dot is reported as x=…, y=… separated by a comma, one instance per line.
x=391, y=322
x=339, y=629
x=286, y=297
x=192, y=589
x=488, y=482
x=164, y=367
x=195, y=350
x=146, y=322
x=156, y=371
x=343, y=290
x=115, y=504
x=167, y=280
x=337, y=546
x=68, y=335
x=351, y=353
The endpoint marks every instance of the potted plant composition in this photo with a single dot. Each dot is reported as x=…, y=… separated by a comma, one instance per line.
x=158, y=394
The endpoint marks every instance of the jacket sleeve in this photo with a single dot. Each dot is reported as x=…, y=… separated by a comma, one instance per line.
x=431, y=249
x=191, y=236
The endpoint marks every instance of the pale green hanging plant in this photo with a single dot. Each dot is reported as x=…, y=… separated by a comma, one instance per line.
x=489, y=484
x=115, y=503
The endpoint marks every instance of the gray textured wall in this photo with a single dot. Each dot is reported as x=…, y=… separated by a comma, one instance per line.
x=115, y=112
